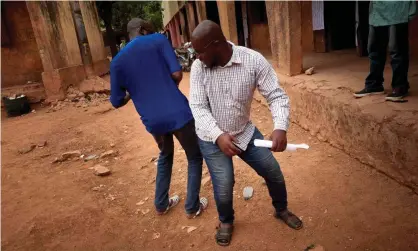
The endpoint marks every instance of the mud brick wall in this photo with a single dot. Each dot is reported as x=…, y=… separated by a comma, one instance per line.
x=20, y=58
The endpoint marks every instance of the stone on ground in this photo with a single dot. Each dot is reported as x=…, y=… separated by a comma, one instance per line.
x=110, y=153
x=100, y=170
x=315, y=247
x=42, y=143
x=310, y=71
x=248, y=192
x=91, y=157
x=69, y=155
x=27, y=149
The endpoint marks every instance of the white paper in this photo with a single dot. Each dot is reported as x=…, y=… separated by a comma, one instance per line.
x=263, y=143
x=289, y=147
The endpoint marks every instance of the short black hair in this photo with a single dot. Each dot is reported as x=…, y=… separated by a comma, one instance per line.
x=137, y=23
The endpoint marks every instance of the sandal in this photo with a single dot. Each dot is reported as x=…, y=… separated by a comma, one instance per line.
x=290, y=219
x=203, y=205
x=223, y=235
x=172, y=202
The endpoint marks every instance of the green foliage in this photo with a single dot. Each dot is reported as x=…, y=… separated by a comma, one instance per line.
x=124, y=11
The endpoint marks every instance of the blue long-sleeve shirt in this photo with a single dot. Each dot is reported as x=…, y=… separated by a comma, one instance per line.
x=143, y=69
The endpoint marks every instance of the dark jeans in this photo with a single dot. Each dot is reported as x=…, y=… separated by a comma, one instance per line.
x=188, y=140
x=397, y=37
x=222, y=174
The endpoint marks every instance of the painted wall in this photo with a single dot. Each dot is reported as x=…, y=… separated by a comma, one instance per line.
x=20, y=59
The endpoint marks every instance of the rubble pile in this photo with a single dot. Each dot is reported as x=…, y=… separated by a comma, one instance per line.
x=77, y=98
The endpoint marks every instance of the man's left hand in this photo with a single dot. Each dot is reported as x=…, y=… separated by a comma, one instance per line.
x=279, y=139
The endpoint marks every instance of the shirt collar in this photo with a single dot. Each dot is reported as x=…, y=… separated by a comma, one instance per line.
x=235, y=59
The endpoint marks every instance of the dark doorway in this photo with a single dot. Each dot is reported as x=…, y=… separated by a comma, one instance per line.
x=212, y=11
x=258, y=28
x=340, y=24
x=239, y=20
x=362, y=28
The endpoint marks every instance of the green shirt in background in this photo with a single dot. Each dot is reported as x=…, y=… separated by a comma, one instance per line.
x=383, y=13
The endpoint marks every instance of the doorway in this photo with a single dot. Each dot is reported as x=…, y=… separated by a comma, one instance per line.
x=258, y=29
x=346, y=25
x=212, y=11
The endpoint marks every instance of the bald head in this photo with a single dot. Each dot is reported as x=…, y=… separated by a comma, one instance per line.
x=210, y=44
x=207, y=31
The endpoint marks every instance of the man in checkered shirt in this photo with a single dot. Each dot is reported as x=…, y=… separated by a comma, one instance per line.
x=223, y=80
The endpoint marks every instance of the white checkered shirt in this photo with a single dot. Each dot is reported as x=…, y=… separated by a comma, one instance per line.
x=220, y=98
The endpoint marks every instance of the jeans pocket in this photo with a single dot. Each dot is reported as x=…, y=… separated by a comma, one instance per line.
x=208, y=148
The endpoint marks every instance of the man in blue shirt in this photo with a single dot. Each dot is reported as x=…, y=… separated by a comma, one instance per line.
x=147, y=71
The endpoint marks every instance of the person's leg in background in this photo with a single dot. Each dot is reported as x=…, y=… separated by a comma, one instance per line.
x=222, y=173
x=399, y=52
x=164, y=169
x=377, y=48
x=263, y=162
x=189, y=141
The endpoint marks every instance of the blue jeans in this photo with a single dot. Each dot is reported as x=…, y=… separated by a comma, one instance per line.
x=188, y=140
x=222, y=173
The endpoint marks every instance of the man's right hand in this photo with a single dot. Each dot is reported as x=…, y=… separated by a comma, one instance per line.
x=227, y=146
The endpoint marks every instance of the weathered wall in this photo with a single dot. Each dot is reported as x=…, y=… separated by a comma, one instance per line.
x=95, y=38
x=183, y=25
x=260, y=38
x=20, y=60
x=94, y=35
x=56, y=37
x=173, y=33
x=201, y=11
x=177, y=26
x=228, y=20
x=307, y=29
x=285, y=26
x=191, y=17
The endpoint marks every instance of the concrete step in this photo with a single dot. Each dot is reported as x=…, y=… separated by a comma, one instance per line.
x=381, y=134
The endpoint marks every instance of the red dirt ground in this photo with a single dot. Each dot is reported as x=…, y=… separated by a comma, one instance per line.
x=344, y=204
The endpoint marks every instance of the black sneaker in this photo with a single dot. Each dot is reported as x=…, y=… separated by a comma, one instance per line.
x=397, y=95
x=369, y=91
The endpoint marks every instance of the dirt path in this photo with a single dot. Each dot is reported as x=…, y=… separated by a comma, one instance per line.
x=344, y=204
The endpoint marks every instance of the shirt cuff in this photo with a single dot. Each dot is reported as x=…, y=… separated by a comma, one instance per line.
x=281, y=125
x=215, y=133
